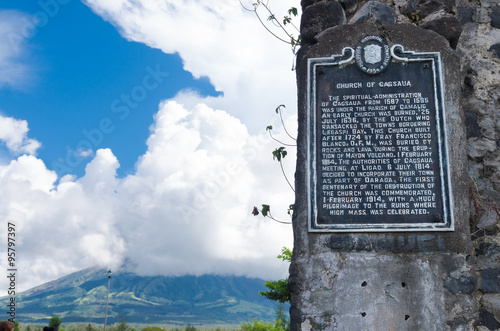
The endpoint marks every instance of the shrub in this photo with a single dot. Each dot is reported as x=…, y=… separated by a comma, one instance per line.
x=260, y=326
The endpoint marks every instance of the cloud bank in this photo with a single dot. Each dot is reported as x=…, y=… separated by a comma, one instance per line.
x=186, y=209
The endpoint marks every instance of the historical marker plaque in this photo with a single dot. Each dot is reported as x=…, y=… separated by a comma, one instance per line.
x=377, y=147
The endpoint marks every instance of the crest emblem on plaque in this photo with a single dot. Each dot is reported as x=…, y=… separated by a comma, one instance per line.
x=372, y=55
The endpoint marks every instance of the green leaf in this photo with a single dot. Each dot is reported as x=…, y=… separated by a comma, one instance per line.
x=286, y=254
x=415, y=16
x=269, y=128
x=295, y=41
x=279, y=153
x=293, y=11
x=286, y=20
x=290, y=209
x=265, y=210
x=277, y=110
x=271, y=18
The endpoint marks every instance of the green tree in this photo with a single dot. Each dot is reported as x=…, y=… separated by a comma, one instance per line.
x=17, y=326
x=189, y=327
x=55, y=322
x=278, y=289
x=282, y=317
x=122, y=325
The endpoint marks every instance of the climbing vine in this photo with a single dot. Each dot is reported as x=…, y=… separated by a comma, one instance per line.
x=284, y=29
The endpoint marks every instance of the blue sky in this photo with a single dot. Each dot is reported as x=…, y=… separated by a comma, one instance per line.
x=80, y=66
x=136, y=130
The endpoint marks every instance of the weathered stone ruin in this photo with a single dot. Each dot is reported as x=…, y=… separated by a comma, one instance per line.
x=410, y=280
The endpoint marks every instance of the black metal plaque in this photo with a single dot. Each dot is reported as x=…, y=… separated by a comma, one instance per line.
x=377, y=147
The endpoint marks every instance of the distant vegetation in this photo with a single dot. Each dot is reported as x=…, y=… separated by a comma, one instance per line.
x=257, y=325
x=114, y=328
x=124, y=327
x=277, y=325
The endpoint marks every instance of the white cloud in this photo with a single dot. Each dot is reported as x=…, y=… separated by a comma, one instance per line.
x=197, y=183
x=220, y=40
x=13, y=33
x=55, y=224
x=14, y=134
x=186, y=209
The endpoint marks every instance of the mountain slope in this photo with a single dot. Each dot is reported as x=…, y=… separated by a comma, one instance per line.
x=208, y=299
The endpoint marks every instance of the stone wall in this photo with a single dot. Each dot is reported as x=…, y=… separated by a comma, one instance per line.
x=479, y=48
x=472, y=29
